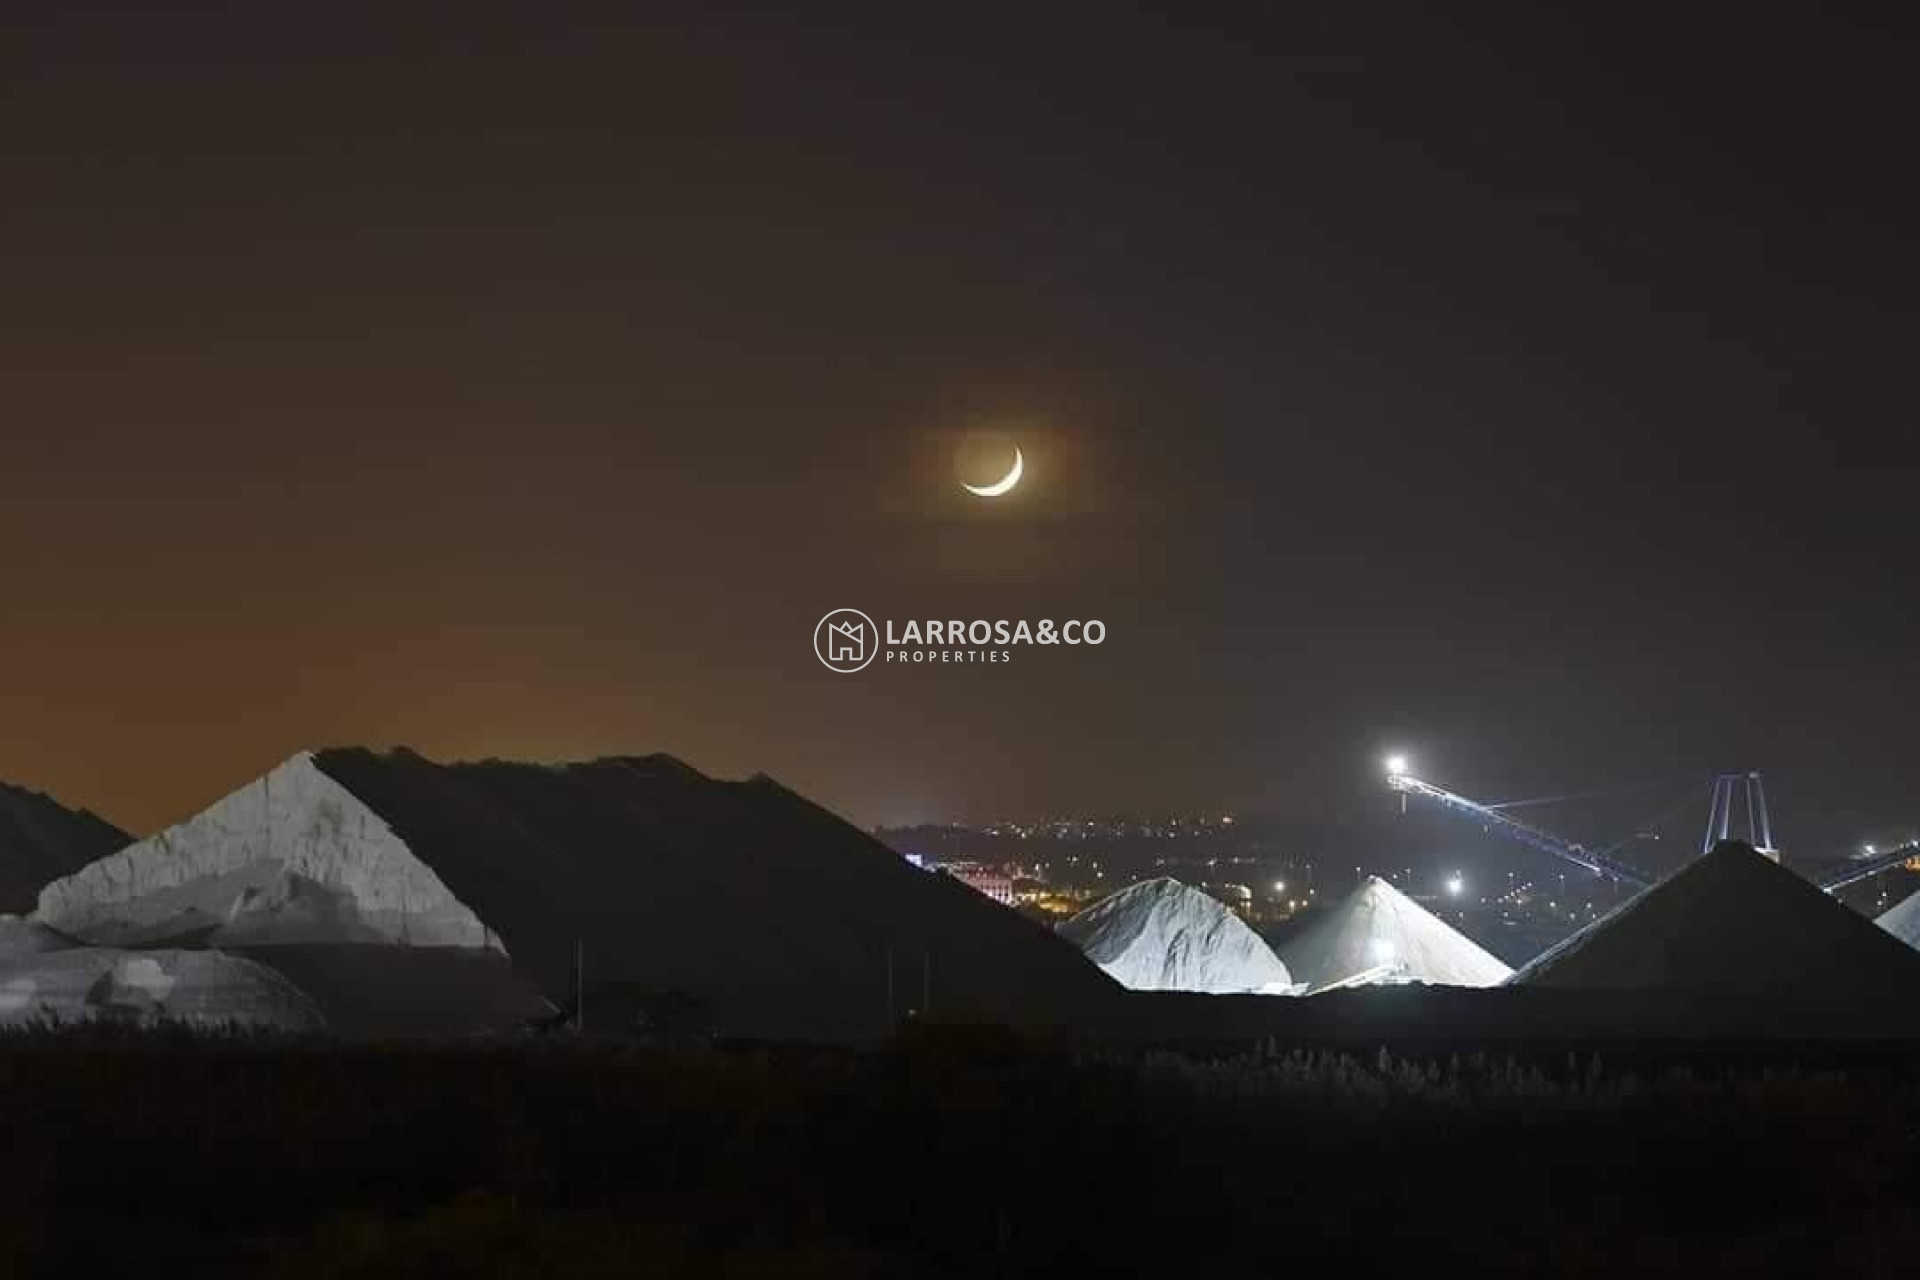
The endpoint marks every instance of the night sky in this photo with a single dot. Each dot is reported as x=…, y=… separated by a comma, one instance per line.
x=1538, y=400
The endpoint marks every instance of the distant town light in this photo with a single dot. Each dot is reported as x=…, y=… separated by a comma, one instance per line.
x=1279, y=886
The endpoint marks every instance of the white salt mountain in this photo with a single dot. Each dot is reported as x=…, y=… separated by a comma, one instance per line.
x=1379, y=935
x=295, y=872
x=1902, y=920
x=292, y=857
x=1162, y=935
x=409, y=898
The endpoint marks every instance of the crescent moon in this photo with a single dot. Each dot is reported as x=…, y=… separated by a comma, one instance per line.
x=1003, y=484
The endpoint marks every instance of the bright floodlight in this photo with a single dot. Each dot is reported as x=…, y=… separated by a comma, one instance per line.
x=1455, y=885
x=1870, y=850
x=1396, y=765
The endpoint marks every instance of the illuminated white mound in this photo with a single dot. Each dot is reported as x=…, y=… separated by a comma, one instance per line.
x=200, y=988
x=293, y=857
x=1902, y=920
x=1161, y=935
x=1378, y=934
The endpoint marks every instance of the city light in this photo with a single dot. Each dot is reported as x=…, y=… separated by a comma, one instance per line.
x=1396, y=765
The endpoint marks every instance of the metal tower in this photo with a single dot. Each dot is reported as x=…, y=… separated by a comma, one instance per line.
x=1720, y=813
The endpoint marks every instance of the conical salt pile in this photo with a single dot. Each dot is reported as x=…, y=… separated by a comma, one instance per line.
x=1378, y=934
x=1745, y=929
x=410, y=898
x=1161, y=935
x=1902, y=920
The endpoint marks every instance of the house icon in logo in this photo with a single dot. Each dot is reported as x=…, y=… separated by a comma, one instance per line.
x=845, y=640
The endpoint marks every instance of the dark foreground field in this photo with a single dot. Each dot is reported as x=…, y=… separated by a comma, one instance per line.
x=953, y=1152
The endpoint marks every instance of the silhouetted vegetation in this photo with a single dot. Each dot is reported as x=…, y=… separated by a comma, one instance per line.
x=953, y=1151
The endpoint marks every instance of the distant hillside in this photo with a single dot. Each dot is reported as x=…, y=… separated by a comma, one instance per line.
x=743, y=894
x=42, y=840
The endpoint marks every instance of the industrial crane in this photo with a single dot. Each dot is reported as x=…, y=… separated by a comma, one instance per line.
x=1533, y=837
x=1873, y=864
x=1720, y=826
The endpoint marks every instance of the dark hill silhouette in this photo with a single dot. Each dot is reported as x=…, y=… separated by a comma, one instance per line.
x=1737, y=931
x=393, y=993
x=777, y=914
x=42, y=840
